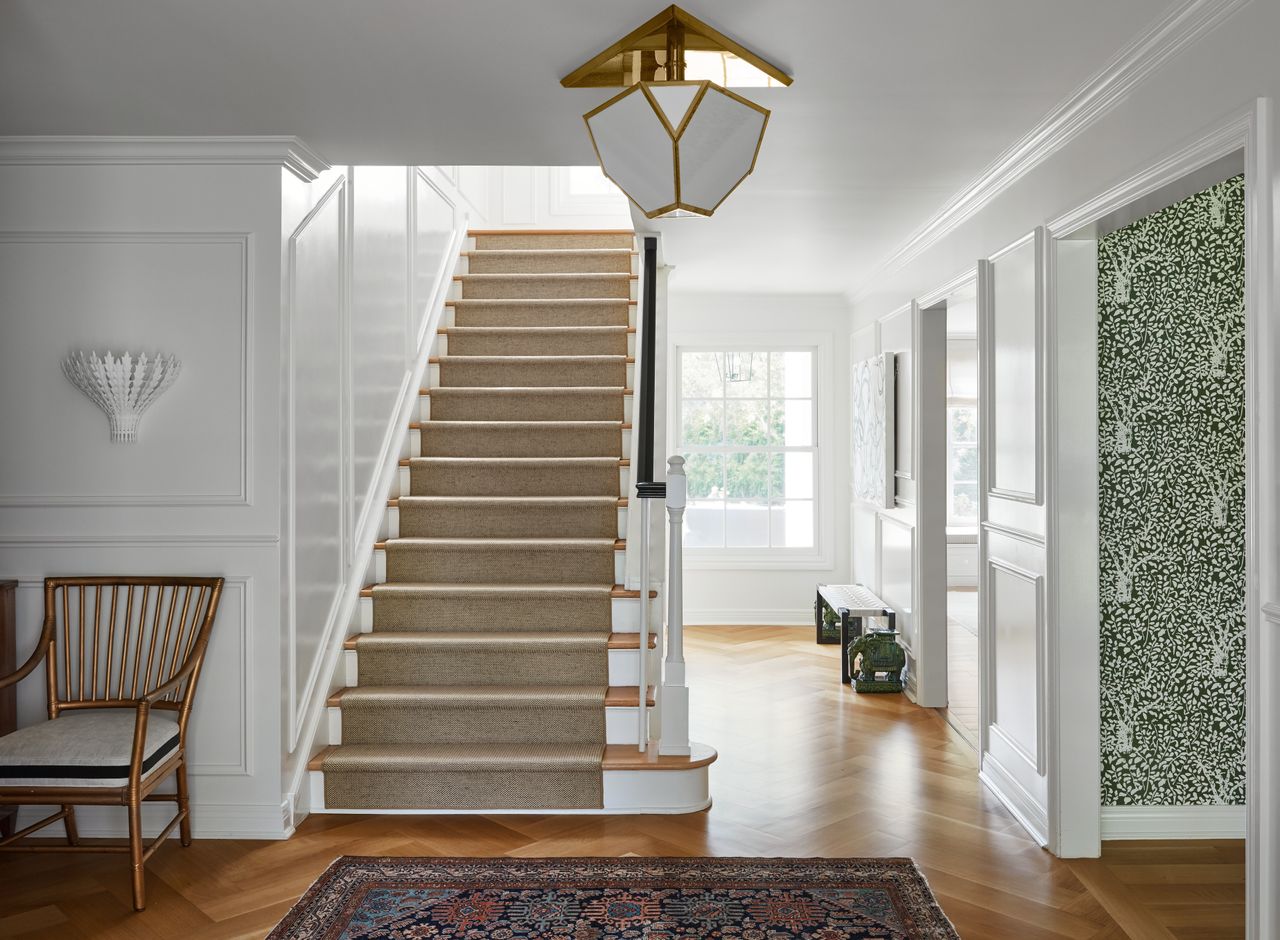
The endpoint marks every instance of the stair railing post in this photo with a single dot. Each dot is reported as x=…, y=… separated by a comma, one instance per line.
x=675, y=701
x=643, y=683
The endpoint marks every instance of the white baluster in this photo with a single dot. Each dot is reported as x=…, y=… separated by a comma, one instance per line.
x=642, y=710
x=675, y=702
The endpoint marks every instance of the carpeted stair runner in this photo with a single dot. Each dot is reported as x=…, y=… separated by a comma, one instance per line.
x=508, y=517
x=573, y=608
x=527, y=404
x=483, y=682
x=514, y=476
x=537, y=341
x=521, y=438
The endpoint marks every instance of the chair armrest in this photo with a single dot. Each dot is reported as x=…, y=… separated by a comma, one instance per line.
x=161, y=691
x=41, y=650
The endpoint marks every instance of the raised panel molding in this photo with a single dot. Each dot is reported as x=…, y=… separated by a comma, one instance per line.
x=243, y=495
x=1032, y=753
x=906, y=615
x=988, y=342
x=336, y=196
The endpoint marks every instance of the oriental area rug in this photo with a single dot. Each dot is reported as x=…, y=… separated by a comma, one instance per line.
x=617, y=899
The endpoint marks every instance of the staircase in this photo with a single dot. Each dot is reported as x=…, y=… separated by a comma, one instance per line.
x=499, y=658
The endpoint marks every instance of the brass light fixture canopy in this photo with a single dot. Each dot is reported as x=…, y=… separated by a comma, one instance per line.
x=644, y=54
x=676, y=141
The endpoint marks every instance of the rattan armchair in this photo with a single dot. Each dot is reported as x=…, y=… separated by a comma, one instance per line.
x=122, y=657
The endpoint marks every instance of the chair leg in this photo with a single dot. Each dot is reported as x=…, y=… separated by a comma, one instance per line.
x=73, y=835
x=137, y=872
x=184, y=827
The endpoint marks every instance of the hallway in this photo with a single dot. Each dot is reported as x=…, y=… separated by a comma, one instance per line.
x=807, y=768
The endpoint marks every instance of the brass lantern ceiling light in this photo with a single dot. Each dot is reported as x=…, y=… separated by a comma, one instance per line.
x=676, y=141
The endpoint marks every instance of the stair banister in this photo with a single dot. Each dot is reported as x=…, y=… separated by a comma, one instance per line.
x=646, y=487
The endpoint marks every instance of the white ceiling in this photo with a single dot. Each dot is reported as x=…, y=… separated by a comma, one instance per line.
x=896, y=105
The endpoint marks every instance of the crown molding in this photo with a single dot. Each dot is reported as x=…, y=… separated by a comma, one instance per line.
x=1180, y=28
x=289, y=152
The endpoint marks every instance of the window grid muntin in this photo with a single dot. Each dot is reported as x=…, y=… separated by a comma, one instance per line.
x=770, y=501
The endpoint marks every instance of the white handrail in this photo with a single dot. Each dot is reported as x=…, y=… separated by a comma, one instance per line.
x=675, y=693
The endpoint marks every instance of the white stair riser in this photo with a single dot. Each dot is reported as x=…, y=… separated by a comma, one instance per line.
x=620, y=725
x=624, y=667
x=626, y=615
x=628, y=409
x=625, y=791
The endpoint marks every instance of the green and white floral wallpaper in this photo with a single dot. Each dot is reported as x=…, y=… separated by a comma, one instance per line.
x=1171, y=501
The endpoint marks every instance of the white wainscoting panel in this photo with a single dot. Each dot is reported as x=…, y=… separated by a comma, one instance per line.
x=1012, y=345
x=318, y=341
x=1012, y=555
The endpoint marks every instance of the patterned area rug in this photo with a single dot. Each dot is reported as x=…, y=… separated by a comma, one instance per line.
x=622, y=898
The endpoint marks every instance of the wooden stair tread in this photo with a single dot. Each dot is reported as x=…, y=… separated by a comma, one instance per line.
x=617, y=591
x=547, y=251
x=617, y=641
x=408, y=461
x=394, y=501
x=539, y=300
x=616, y=757
x=551, y=274
x=435, y=361
x=630, y=757
x=619, y=545
x=473, y=232
x=615, y=696
x=625, y=391
x=446, y=330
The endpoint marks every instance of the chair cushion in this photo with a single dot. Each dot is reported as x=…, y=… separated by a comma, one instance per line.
x=88, y=748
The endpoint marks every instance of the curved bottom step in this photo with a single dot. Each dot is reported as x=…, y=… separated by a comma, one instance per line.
x=633, y=783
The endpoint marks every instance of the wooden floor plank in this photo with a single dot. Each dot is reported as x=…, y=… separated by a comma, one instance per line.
x=807, y=768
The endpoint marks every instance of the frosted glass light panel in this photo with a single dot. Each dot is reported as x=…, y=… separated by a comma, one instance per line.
x=677, y=148
x=746, y=430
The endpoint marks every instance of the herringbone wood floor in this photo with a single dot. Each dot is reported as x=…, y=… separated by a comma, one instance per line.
x=807, y=768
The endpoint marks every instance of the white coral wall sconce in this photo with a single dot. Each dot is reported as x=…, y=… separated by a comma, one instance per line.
x=123, y=386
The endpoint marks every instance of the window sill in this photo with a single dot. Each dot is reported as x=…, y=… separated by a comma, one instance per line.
x=694, y=560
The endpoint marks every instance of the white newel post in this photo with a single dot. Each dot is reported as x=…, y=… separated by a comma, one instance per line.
x=642, y=710
x=675, y=694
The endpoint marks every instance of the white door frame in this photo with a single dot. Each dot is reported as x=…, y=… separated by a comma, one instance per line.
x=1073, y=666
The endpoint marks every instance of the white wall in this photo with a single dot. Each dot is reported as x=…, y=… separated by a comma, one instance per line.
x=183, y=259
x=543, y=197
x=1189, y=90
x=299, y=312
x=774, y=595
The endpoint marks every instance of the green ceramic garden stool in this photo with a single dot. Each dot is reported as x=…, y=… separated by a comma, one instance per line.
x=881, y=656
x=850, y=604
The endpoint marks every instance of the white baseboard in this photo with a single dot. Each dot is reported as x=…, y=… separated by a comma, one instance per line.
x=1173, y=822
x=208, y=821
x=1015, y=798
x=749, y=617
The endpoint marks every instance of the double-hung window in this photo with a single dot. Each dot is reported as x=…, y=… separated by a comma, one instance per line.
x=746, y=420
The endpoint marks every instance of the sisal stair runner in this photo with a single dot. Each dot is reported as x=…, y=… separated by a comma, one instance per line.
x=483, y=683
